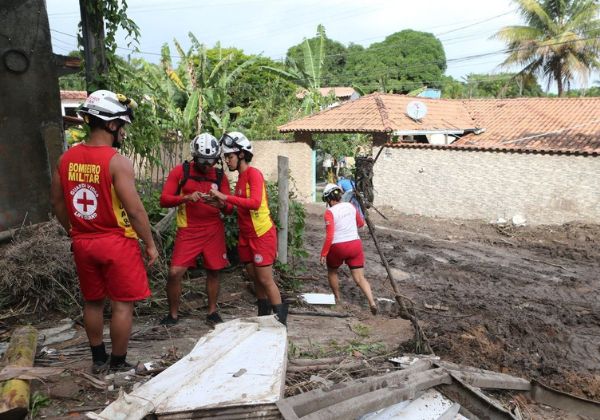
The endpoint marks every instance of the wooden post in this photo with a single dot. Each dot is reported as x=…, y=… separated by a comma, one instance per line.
x=14, y=393
x=283, y=186
x=406, y=312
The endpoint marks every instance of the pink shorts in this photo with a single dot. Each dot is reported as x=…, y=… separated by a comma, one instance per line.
x=208, y=241
x=260, y=251
x=350, y=252
x=110, y=266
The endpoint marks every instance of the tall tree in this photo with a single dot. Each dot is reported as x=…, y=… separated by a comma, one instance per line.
x=560, y=40
x=402, y=62
x=502, y=85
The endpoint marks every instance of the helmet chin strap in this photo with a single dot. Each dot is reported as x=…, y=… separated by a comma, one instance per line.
x=237, y=166
x=115, y=134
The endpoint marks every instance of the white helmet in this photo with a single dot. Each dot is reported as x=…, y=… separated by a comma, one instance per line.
x=332, y=191
x=235, y=142
x=108, y=106
x=205, y=146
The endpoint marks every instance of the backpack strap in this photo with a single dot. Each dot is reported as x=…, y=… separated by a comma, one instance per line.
x=186, y=176
x=220, y=174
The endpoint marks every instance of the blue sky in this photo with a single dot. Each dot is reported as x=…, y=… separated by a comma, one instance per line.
x=270, y=27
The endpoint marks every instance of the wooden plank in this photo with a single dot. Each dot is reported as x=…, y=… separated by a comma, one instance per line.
x=283, y=173
x=567, y=402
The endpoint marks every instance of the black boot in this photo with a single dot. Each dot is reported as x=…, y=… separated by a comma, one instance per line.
x=264, y=307
x=281, y=311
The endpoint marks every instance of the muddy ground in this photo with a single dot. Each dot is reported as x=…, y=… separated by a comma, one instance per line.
x=518, y=300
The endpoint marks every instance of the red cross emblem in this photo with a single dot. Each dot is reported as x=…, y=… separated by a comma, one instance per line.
x=85, y=201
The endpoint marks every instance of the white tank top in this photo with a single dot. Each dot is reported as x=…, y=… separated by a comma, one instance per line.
x=344, y=221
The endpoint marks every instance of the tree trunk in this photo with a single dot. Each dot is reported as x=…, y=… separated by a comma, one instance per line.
x=30, y=112
x=200, y=105
x=14, y=393
x=92, y=31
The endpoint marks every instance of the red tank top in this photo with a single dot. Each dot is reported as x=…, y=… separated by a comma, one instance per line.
x=92, y=203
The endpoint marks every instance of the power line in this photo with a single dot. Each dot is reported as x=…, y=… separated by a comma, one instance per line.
x=450, y=61
x=408, y=67
x=337, y=14
x=477, y=23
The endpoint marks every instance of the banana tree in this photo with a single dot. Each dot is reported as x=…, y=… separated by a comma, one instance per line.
x=205, y=84
x=308, y=76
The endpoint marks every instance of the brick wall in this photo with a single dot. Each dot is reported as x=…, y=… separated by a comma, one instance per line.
x=542, y=188
x=300, y=160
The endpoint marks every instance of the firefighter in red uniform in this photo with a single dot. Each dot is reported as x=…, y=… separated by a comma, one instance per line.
x=200, y=228
x=257, y=245
x=342, y=243
x=94, y=198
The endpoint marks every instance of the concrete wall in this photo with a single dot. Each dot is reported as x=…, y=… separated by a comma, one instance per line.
x=542, y=188
x=30, y=120
x=301, y=164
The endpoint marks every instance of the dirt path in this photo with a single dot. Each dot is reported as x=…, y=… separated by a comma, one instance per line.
x=517, y=300
x=520, y=300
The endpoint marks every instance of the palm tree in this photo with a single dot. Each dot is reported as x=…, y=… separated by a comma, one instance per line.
x=560, y=42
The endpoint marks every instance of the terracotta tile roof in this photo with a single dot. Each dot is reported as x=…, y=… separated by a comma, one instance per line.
x=540, y=124
x=383, y=113
x=68, y=121
x=557, y=125
x=73, y=94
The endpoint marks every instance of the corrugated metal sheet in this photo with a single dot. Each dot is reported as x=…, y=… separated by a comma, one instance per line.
x=239, y=369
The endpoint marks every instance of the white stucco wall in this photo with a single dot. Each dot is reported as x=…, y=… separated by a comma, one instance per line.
x=543, y=188
x=300, y=160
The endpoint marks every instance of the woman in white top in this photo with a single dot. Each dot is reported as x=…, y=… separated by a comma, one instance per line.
x=342, y=243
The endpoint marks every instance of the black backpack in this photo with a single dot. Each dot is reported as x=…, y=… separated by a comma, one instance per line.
x=186, y=176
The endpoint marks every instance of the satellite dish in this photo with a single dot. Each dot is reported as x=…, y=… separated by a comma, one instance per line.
x=416, y=110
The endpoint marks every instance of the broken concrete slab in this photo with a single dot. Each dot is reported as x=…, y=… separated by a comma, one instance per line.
x=474, y=403
x=384, y=397
x=301, y=405
x=431, y=404
x=486, y=379
x=208, y=379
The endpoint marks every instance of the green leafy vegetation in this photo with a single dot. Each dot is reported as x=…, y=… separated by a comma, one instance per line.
x=36, y=402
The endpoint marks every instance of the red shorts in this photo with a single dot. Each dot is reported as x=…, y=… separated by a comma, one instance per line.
x=350, y=252
x=110, y=266
x=260, y=251
x=208, y=241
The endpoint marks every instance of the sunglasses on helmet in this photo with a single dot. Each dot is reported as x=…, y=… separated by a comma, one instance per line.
x=229, y=141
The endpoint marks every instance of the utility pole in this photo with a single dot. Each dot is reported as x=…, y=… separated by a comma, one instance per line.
x=92, y=29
